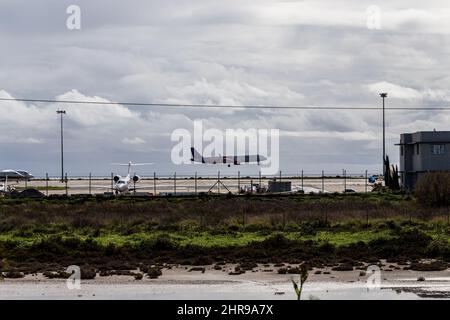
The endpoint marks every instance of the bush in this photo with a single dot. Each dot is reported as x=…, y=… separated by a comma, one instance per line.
x=154, y=272
x=13, y=274
x=433, y=189
x=87, y=272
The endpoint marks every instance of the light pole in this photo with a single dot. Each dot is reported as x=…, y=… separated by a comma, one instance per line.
x=61, y=113
x=383, y=96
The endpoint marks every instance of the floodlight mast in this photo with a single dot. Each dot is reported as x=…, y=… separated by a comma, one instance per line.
x=383, y=95
x=61, y=113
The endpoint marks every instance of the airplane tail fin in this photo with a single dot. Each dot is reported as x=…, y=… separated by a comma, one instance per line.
x=130, y=164
x=196, y=157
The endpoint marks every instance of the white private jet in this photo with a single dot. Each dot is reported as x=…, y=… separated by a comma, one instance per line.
x=229, y=160
x=123, y=184
x=14, y=175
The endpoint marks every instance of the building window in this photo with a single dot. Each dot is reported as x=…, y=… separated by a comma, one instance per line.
x=438, y=149
x=401, y=150
x=417, y=148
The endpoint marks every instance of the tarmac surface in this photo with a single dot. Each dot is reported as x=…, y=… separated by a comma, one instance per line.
x=190, y=186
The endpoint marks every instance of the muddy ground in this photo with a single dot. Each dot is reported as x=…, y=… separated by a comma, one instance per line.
x=54, y=254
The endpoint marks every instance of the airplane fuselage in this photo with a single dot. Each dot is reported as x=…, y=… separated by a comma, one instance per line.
x=228, y=160
x=122, y=184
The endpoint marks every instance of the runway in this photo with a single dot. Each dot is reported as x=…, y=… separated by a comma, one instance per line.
x=164, y=186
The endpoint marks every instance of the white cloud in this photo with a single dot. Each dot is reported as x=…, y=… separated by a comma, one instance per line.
x=135, y=140
x=347, y=136
x=394, y=91
x=400, y=92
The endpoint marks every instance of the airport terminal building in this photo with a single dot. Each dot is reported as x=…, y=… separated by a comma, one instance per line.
x=423, y=152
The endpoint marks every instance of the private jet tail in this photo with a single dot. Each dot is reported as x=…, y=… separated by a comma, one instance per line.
x=130, y=164
x=196, y=157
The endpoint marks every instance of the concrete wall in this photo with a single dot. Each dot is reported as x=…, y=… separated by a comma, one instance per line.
x=418, y=157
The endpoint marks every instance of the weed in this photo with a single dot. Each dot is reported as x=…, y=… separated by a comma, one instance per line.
x=303, y=274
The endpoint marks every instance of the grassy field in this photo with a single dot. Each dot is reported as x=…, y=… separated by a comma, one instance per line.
x=317, y=229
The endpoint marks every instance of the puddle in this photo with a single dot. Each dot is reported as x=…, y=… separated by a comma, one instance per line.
x=241, y=290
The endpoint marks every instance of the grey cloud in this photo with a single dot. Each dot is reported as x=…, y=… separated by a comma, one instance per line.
x=218, y=52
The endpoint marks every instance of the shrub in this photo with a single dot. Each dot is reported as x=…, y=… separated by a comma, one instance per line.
x=154, y=272
x=14, y=274
x=87, y=272
x=433, y=189
x=282, y=271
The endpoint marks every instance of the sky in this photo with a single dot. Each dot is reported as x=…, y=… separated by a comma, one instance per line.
x=247, y=52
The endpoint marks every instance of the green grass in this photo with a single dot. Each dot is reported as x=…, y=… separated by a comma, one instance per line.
x=345, y=238
x=206, y=239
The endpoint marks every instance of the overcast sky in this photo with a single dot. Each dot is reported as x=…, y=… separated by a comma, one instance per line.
x=286, y=53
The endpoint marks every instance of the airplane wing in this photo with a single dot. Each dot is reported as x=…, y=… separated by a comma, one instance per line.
x=92, y=187
x=132, y=164
x=15, y=174
x=131, y=187
x=11, y=175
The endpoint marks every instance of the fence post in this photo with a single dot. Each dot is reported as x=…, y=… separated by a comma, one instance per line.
x=134, y=184
x=46, y=184
x=280, y=175
x=112, y=182
x=302, y=181
x=365, y=183
x=239, y=182
x=218, y=182
x=260, y=186
x=90, y=183
x=154, y=183
x=195, y=182
x=175, y=183
x=323, y=182
x=345, y=179
x=67, y=188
